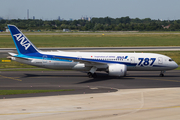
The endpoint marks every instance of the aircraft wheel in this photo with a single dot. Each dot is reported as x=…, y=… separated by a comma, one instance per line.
x=162, y=75
x=90, y=75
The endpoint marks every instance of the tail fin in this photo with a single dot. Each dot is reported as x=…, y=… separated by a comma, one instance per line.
x=22, y=43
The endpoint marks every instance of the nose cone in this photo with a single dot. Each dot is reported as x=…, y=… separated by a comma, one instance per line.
x=175, y=65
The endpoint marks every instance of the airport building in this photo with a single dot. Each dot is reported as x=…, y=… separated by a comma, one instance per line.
x=66, y=30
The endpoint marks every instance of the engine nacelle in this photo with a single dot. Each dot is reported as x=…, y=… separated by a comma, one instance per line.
x=117, y=70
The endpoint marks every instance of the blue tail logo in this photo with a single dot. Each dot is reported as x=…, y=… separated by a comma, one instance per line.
x=23, y=45
x=23, y=41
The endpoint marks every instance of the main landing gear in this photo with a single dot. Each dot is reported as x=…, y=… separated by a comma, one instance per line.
x=91, y=73
x=162, y=73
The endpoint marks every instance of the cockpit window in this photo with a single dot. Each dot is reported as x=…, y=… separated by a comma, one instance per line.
x=171, y=60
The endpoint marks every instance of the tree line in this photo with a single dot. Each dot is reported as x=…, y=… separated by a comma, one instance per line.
x=96, y=24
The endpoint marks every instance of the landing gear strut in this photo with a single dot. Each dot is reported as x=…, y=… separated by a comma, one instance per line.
x=162, y=73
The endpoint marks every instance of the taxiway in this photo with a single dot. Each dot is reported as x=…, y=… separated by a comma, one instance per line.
x=82, y=84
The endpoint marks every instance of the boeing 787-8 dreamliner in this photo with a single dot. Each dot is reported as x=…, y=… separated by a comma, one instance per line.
x=115, y=64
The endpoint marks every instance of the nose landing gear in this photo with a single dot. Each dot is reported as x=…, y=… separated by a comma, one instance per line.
x=162, y=73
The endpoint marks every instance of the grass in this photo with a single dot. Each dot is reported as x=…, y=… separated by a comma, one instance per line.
x=159, y=32
x=97, y=40
x=177, y=68
x=16, y=92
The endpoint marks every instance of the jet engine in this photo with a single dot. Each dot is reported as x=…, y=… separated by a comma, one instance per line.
x=117, y=70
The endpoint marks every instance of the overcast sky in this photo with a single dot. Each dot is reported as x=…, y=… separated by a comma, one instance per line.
x=75, y=9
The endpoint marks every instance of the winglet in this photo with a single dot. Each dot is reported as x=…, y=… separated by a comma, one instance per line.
x=22, y=43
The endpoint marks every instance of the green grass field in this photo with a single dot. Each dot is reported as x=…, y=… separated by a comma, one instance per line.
x=97, y=40
x=16, y=92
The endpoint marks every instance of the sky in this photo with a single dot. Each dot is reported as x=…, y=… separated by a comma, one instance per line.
x=75, y=9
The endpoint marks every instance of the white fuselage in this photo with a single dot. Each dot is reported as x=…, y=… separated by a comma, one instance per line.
x=133, y=61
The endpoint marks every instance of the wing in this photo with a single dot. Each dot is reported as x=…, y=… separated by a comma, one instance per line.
x=87, y=61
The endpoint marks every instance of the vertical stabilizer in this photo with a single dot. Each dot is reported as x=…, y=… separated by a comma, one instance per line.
x=22, y=43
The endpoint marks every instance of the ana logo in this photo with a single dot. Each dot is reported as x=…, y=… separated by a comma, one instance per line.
x=20, y=38
x=122, y=57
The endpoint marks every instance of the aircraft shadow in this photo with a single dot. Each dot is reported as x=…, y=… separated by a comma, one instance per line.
x=104, y=77
x=35, y=75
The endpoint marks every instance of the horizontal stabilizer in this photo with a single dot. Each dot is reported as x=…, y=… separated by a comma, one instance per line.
x=12, y=54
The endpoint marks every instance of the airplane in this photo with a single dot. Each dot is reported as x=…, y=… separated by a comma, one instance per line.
x=115, y=64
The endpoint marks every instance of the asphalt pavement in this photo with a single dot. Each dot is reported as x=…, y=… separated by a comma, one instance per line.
x=81, y=84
